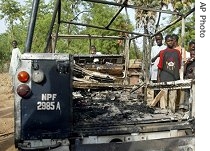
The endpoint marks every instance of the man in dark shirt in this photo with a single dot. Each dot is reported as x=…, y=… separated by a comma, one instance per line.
x=168, y=69
x=189, y=73
x=170, y=62
x=189, y=67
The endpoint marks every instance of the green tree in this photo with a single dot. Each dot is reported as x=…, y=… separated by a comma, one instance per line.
x=17, y=18
x=12, y=12
x=5, y=50
x=189, y=29
x=99, y=15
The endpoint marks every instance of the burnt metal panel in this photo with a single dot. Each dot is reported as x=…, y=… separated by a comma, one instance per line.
x=41, y=119
x=88, y=59
x=169, y=144
x=135, y=127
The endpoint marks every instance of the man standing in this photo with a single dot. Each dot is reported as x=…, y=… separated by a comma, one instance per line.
x=155, y=57
x=185, y=54
x=14, y=60
x=168, y=69
x=189, y=67
x=189, y=73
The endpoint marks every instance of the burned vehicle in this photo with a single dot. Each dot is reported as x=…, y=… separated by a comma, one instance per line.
x=67, y=101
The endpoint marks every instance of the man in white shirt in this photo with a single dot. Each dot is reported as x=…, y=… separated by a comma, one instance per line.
x=155, y=56
x=14, y=59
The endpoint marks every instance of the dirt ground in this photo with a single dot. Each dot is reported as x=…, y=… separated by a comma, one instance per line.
x=6, y=114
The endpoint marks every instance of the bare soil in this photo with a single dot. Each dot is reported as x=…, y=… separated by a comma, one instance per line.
x=6, y=113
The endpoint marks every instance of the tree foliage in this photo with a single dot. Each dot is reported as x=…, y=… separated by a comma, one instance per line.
x=12, y=12
x=17, y=19
x=97, y=15
x=189, y=30
x=147, y=19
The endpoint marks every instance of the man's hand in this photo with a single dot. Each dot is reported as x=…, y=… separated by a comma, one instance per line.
x=153, y=59
x=189, y=60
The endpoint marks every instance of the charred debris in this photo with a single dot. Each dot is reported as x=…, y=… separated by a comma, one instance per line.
x=114, y=89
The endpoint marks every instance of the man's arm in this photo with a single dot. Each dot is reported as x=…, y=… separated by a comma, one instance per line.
x=158, y=75
x=185, y=66
x=154, y=58
x=189, y=73
x=160, y=65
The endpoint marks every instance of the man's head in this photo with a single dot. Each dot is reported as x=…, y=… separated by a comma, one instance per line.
x=192, y=49
x=93, y=49
x=169, y=41
x=192, y=54
x=191, y=46
x=159, y=39
x=14, y=44
x=175, y=39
